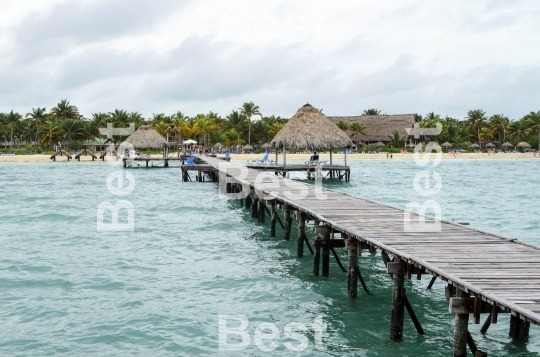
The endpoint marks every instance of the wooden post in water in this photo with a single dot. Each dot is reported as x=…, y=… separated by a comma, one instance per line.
x=249, y=201
x=254, y=207
x=352, y=249
x=325, y=231
x=301, y=221
x=397, y=268
x=317, y=256
x=262, y=212
x=288, y=221
x=461, y=306
x=519, y=329
x=273, y=218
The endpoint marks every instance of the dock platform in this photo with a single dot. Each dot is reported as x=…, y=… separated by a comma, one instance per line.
x=486, y=273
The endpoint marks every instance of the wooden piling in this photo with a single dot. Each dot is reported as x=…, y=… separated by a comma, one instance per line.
x=262, y=212
x=249, y=201
x=254, y=208
x=301, y=221
x=397, y=268
x=273, y=218
x=461, y=307
x=317, y=256
x=288, y=222
x=519, y=329
x=352, y=249
x=326, y=252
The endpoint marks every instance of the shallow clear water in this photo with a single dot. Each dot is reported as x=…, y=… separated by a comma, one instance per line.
x=68, y=289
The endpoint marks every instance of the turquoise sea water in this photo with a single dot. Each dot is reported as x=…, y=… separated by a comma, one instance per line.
x=67, y=289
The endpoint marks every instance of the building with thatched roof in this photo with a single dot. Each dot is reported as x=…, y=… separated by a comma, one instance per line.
x=146, y=137
x=379, y=127
x=310, y=129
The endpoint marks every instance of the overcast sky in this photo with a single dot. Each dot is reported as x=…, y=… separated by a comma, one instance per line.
x=343, y=56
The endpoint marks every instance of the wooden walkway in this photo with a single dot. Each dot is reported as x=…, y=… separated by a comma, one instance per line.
x=493, y=273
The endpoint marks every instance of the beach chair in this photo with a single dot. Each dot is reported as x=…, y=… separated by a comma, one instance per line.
x=263, y=161
x=190, y=160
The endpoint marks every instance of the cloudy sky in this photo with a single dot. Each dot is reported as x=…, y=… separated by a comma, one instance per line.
x=343, y=56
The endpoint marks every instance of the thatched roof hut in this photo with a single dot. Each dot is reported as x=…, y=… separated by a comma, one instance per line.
x=146, y=137
x=379, y=127
x=266, y=146
x=310, y=129
x=507, y=144
x=446, y=144
x=475, y=146
x=218, y=145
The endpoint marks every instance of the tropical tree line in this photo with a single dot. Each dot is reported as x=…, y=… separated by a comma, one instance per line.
x=66, y=125
x=477, y=127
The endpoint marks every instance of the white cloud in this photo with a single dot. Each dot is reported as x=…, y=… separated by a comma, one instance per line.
x=343, y=56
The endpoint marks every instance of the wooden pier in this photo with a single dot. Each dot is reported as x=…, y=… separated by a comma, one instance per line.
x=486, y=273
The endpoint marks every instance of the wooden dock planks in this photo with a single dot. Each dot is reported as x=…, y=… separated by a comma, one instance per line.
x=494, y=268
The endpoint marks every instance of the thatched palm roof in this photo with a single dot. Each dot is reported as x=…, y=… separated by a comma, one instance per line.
x=379, y=127
x=489, y=145
x=507, y=144
x=310, y=129
x=523, y=144
x=146, y=137
x=475, y=146
x=266, y=146
x=218, y=145
x=446, y=145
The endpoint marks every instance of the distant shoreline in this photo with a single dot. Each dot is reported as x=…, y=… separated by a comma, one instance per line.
x=337, y=158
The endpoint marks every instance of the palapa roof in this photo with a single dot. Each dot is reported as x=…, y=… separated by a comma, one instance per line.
x=310, y=129
x=523, y=144
x=379, y=127
x=266, y=146
x=507, y=144
x=218, y=145
x=146, y=137
x=446, y=144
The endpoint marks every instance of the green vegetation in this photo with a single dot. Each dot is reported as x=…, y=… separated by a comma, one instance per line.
x=40, y=130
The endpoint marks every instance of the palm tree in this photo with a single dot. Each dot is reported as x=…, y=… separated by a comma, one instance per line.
x=237, y=122
x=477, y=120
x=72, y=129
x=371, y=112
x=395, y=140
x=64, y=110
x=486, y=134
x=249, y=110
x=517, y=130
x=532, y=120
x=12, y=120
x=38, y=115
x=357, y=130
x=50, y=132
x=206, y=125
x=342, y=125
x=120, y=118
x=499, y=124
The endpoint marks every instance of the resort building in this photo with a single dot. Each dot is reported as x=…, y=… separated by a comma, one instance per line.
x=379, y=127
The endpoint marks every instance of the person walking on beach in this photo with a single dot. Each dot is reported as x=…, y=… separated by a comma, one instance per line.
x=386, y=156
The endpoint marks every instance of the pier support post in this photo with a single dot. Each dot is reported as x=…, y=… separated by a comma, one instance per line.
x=325, y=231
x=262, y=213
x=301, y=221
x=317, y=256
x=273, y=218
x=254, y=207
x=397, y=268
x=461, y=306
x=352, y=249
x=249, y=201
x=519, y=329
x=288, y=222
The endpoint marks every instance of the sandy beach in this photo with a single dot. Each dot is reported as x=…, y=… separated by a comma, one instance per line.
x=337, y=158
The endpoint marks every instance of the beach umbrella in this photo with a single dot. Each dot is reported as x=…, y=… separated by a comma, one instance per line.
x=218, y=145
x=507, y=144
x=266, y=146
x=523, y=145
x=380, y=144
x=248, y=147
x=476, y=146
x=189, y=142
x=446, y=145
x=490, y=145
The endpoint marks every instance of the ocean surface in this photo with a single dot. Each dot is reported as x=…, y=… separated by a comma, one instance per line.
x=159, y=290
